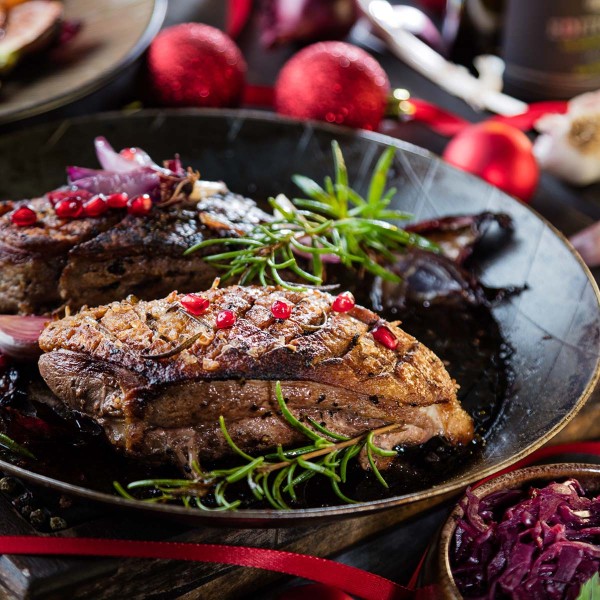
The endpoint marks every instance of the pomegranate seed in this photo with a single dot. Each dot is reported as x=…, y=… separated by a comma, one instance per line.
x=281, y=309
x=344, y=302
x=70, y=208
x=385, y=337
x=119, y=200
x=225, y=319
x=57, y=195
x=23, y=216
x=140, y=206
x=3, y=362
x=195, y=304
x=95, y=206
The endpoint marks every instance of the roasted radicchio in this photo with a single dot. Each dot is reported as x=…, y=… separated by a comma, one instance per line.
x=535, y=544
x=428, y=278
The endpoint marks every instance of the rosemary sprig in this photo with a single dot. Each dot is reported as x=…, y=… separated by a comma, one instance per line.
x=272, y=478
x=332, y=224
x=14, y=447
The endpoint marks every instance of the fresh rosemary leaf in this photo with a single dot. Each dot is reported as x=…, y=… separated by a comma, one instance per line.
x=291, y=419
x=11, y=445
x=230, y=442
x=324, y=430
x=377, y=449
x=374, y=468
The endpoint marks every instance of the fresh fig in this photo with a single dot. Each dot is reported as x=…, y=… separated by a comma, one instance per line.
x=30, y=27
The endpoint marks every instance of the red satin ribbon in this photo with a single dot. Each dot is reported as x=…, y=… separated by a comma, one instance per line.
x=349, y=579
x=448, y=124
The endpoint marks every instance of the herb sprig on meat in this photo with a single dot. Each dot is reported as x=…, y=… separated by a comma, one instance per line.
x=332, y=224
x=274, y=477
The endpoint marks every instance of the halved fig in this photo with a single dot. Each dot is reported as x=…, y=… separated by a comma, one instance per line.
x=30, y=27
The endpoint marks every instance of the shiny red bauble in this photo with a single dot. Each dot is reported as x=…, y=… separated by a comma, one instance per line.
x=334, y=82
x=24, y=216
x=195, y=304
x=192, y=64
x=498, y=153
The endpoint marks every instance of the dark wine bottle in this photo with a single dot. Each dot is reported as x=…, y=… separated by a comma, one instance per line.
x=471, y=28
x=551, y=48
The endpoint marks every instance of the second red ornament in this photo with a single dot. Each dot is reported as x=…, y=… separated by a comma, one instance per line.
x=334, y=82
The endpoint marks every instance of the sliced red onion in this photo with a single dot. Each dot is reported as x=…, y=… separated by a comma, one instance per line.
x=111, y=160
x=74, y=173
x=587, y=243
x=19, y=335
x=139, y=157
x=139, y=181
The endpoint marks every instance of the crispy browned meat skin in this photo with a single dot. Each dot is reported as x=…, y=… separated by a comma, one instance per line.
x=337, y=374
x=98, y=260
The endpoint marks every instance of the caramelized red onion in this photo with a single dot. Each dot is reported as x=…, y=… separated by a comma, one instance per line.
x=19, y=335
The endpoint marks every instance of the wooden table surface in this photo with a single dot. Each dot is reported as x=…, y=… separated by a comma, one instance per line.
x=386, y=544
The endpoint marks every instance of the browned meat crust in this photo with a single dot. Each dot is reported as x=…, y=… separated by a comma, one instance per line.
x=338, y=374
x=98, y=260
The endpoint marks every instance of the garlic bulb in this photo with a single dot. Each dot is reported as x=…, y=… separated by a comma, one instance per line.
x=569, y=145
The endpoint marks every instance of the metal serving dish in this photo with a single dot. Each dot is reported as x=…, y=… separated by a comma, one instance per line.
x=553, y=326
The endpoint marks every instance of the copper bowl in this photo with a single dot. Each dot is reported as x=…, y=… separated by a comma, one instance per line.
x=437, y=569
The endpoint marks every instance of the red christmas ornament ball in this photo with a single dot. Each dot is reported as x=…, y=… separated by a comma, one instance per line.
x=334, y=82
x=498, y=153
x=193, y=64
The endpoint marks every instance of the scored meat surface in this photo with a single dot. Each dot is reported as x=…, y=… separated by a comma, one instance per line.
x=97, y=260
x=105, y=363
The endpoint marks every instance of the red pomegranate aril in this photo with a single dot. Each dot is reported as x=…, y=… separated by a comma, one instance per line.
x=281, y=309
x=343, y=302
x=195, y=304
x=95, y=206
x=3, y=362
x=140, y=206
x=69, y=209
x=119, y=200
x=57, y=195
x=225, y=319
x=23, y=216
x=385, y=337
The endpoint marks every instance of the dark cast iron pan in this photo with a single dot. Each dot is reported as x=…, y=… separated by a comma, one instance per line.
x=553, y=326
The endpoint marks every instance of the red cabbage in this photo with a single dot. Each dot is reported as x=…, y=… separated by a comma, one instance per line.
x=540, y=543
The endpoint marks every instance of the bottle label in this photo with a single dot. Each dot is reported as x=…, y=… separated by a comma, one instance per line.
x=552, y=47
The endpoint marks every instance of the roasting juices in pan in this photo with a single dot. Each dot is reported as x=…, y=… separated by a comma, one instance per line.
x=240, y=395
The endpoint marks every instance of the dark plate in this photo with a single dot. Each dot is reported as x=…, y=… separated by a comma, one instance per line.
x=553, y=326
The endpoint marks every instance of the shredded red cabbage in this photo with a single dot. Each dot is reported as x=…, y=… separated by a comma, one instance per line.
x=527, y=544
